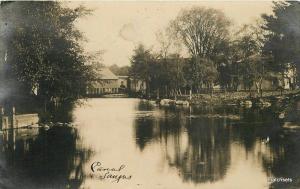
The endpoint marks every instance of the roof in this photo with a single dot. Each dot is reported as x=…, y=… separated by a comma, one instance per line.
x=105, y=73
x=122, y=76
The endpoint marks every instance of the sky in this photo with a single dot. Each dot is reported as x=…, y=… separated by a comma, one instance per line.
x=116, y=28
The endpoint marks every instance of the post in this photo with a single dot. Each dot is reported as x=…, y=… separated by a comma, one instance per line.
x=1, y=117
x=13, y=117
x=190, y=94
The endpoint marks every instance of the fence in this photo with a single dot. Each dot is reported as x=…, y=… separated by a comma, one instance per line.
x=13, y=121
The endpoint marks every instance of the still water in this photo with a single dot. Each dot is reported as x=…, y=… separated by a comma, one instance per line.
x=132, y=144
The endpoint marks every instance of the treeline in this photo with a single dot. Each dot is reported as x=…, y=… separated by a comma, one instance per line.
x=218, y=55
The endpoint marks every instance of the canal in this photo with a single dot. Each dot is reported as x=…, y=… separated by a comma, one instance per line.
x=130, y=143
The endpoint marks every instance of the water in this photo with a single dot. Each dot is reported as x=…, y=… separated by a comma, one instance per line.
x=163, y=148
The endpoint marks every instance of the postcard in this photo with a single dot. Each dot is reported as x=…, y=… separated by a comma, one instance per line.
x=149, y=94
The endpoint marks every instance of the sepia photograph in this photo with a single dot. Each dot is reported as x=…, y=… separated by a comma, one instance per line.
x=151, y=94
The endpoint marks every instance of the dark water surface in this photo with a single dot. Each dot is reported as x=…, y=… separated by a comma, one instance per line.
x=151, y=147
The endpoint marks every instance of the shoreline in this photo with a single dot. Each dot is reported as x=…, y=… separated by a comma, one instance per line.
x=235, y=98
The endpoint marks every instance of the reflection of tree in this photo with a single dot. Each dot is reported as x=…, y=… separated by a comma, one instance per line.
x=255, y=124
x=281, y=159
x=286, y=151
x=199, y=145
x=285, y=161
x=198, y=148
x=208, y=152
x=144, y=131
x=52, y=159
x=58, y=113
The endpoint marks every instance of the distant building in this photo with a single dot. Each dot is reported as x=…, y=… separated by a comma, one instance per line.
x=275, y=80
x=123, y=83
x=136, y=85
x=290, y=77
x=106, y=85
x=287, y=80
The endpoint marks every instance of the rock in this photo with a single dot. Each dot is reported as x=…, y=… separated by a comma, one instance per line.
x=182, y=102
x=165, y=102
x=290, y=125
x=153, y=102
x=281, y=115
x=263, y=103
x=246, y=103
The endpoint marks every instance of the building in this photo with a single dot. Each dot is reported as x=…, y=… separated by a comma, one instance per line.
x=123, y=83
x=136, y=85
x=286, y=80
x=107, y=84
x=289, y=80
x=276, y=80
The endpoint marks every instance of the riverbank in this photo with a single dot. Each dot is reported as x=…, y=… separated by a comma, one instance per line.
x=235, y=98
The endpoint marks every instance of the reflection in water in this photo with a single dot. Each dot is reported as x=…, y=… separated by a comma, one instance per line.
x=200, y=147
x=286, y=148
x=287, y=165
x=171, y=147
x=43, y=159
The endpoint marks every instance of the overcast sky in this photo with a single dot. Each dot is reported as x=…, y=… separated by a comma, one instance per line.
x=117, y=27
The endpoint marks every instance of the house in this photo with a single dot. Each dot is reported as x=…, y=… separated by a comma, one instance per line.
x=286, y=80
x=275, y=80
x=107, y=84
x=136, y=85
x=289, y=80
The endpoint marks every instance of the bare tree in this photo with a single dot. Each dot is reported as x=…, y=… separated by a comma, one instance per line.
x=202, y=30
x=164, y=41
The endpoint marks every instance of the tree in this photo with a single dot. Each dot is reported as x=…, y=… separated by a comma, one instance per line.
x=44, y=51
x=171, y=64
x=140, y=65
x=249, y=64
x=202, y=73
x=123, y=70
x=283, y=35
x=202, y=30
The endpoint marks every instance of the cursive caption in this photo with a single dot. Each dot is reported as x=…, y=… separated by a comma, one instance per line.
x=114, y=174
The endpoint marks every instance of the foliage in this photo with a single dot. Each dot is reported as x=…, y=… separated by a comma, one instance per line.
x=45, y=51
x=123, y=70
x=202, y=73
x=140, y=62
x=203, y=31
x=162, y=73
x=283, y=37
